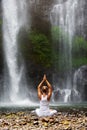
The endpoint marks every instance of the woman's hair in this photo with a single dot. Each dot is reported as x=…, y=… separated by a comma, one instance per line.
x=44, y=89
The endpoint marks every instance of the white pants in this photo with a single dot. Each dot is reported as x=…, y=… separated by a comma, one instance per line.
x=49, y=112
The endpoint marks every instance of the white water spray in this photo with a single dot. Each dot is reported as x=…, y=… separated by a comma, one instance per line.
x=14, y=17
x=64, y=15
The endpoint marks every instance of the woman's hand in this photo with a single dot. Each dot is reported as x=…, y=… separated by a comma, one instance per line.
x=44, y=78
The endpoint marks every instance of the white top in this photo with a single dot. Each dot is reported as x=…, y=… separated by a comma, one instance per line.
x=44, y=108
x=44, y=104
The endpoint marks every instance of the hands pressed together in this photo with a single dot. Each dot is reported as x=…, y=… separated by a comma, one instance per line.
x=44, y=77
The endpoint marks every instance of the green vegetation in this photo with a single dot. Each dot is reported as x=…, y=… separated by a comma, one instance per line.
x=56, y=37
x=41, y=49
x=56, y=33
x=77, y=62
x=79, y=52
x=36, y=49
x=79, y=47
x=59, y=39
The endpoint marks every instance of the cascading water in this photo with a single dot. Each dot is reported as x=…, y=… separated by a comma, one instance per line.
x=64, y=16
x=14, y=17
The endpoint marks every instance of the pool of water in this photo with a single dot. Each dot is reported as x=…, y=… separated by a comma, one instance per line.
x=28, y=107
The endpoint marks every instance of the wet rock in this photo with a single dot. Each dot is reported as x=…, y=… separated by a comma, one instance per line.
x=45, y=119
x=81, y=81
x=61, y=121
x=35, y=123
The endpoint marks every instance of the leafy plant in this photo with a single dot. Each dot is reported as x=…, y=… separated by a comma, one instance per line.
x=41, y=49
x=79, y=46
x=79, y=51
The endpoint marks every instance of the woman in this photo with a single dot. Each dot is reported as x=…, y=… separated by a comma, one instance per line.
x=44, y=94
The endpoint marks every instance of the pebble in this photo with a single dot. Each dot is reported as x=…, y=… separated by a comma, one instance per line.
x=29, y=121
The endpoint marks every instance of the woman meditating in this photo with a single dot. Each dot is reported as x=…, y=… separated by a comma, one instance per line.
x=44, y=94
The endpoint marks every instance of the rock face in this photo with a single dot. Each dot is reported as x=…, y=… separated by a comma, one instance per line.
x=85, y=19
x=81, y=81
x=40, y=15
x=40, y=12
x=42, y=8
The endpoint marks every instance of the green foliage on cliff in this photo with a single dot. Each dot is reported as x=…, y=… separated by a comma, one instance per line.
x=77, y=62
x=61, y=44
x=41, y=52
x=36, y=49
x=59, y=38
x=56, y=34
x=59, y=35
x=79, y=47
x=79, y=52
x=41, y=49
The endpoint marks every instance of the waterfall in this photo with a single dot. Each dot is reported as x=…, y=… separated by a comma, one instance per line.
x=65, y=16
x=14, y=17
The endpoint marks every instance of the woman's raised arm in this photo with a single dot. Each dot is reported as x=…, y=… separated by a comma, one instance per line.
x=39, y=88
x=49, y=90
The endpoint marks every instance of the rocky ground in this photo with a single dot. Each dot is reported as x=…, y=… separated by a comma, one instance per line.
x=75, y=120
